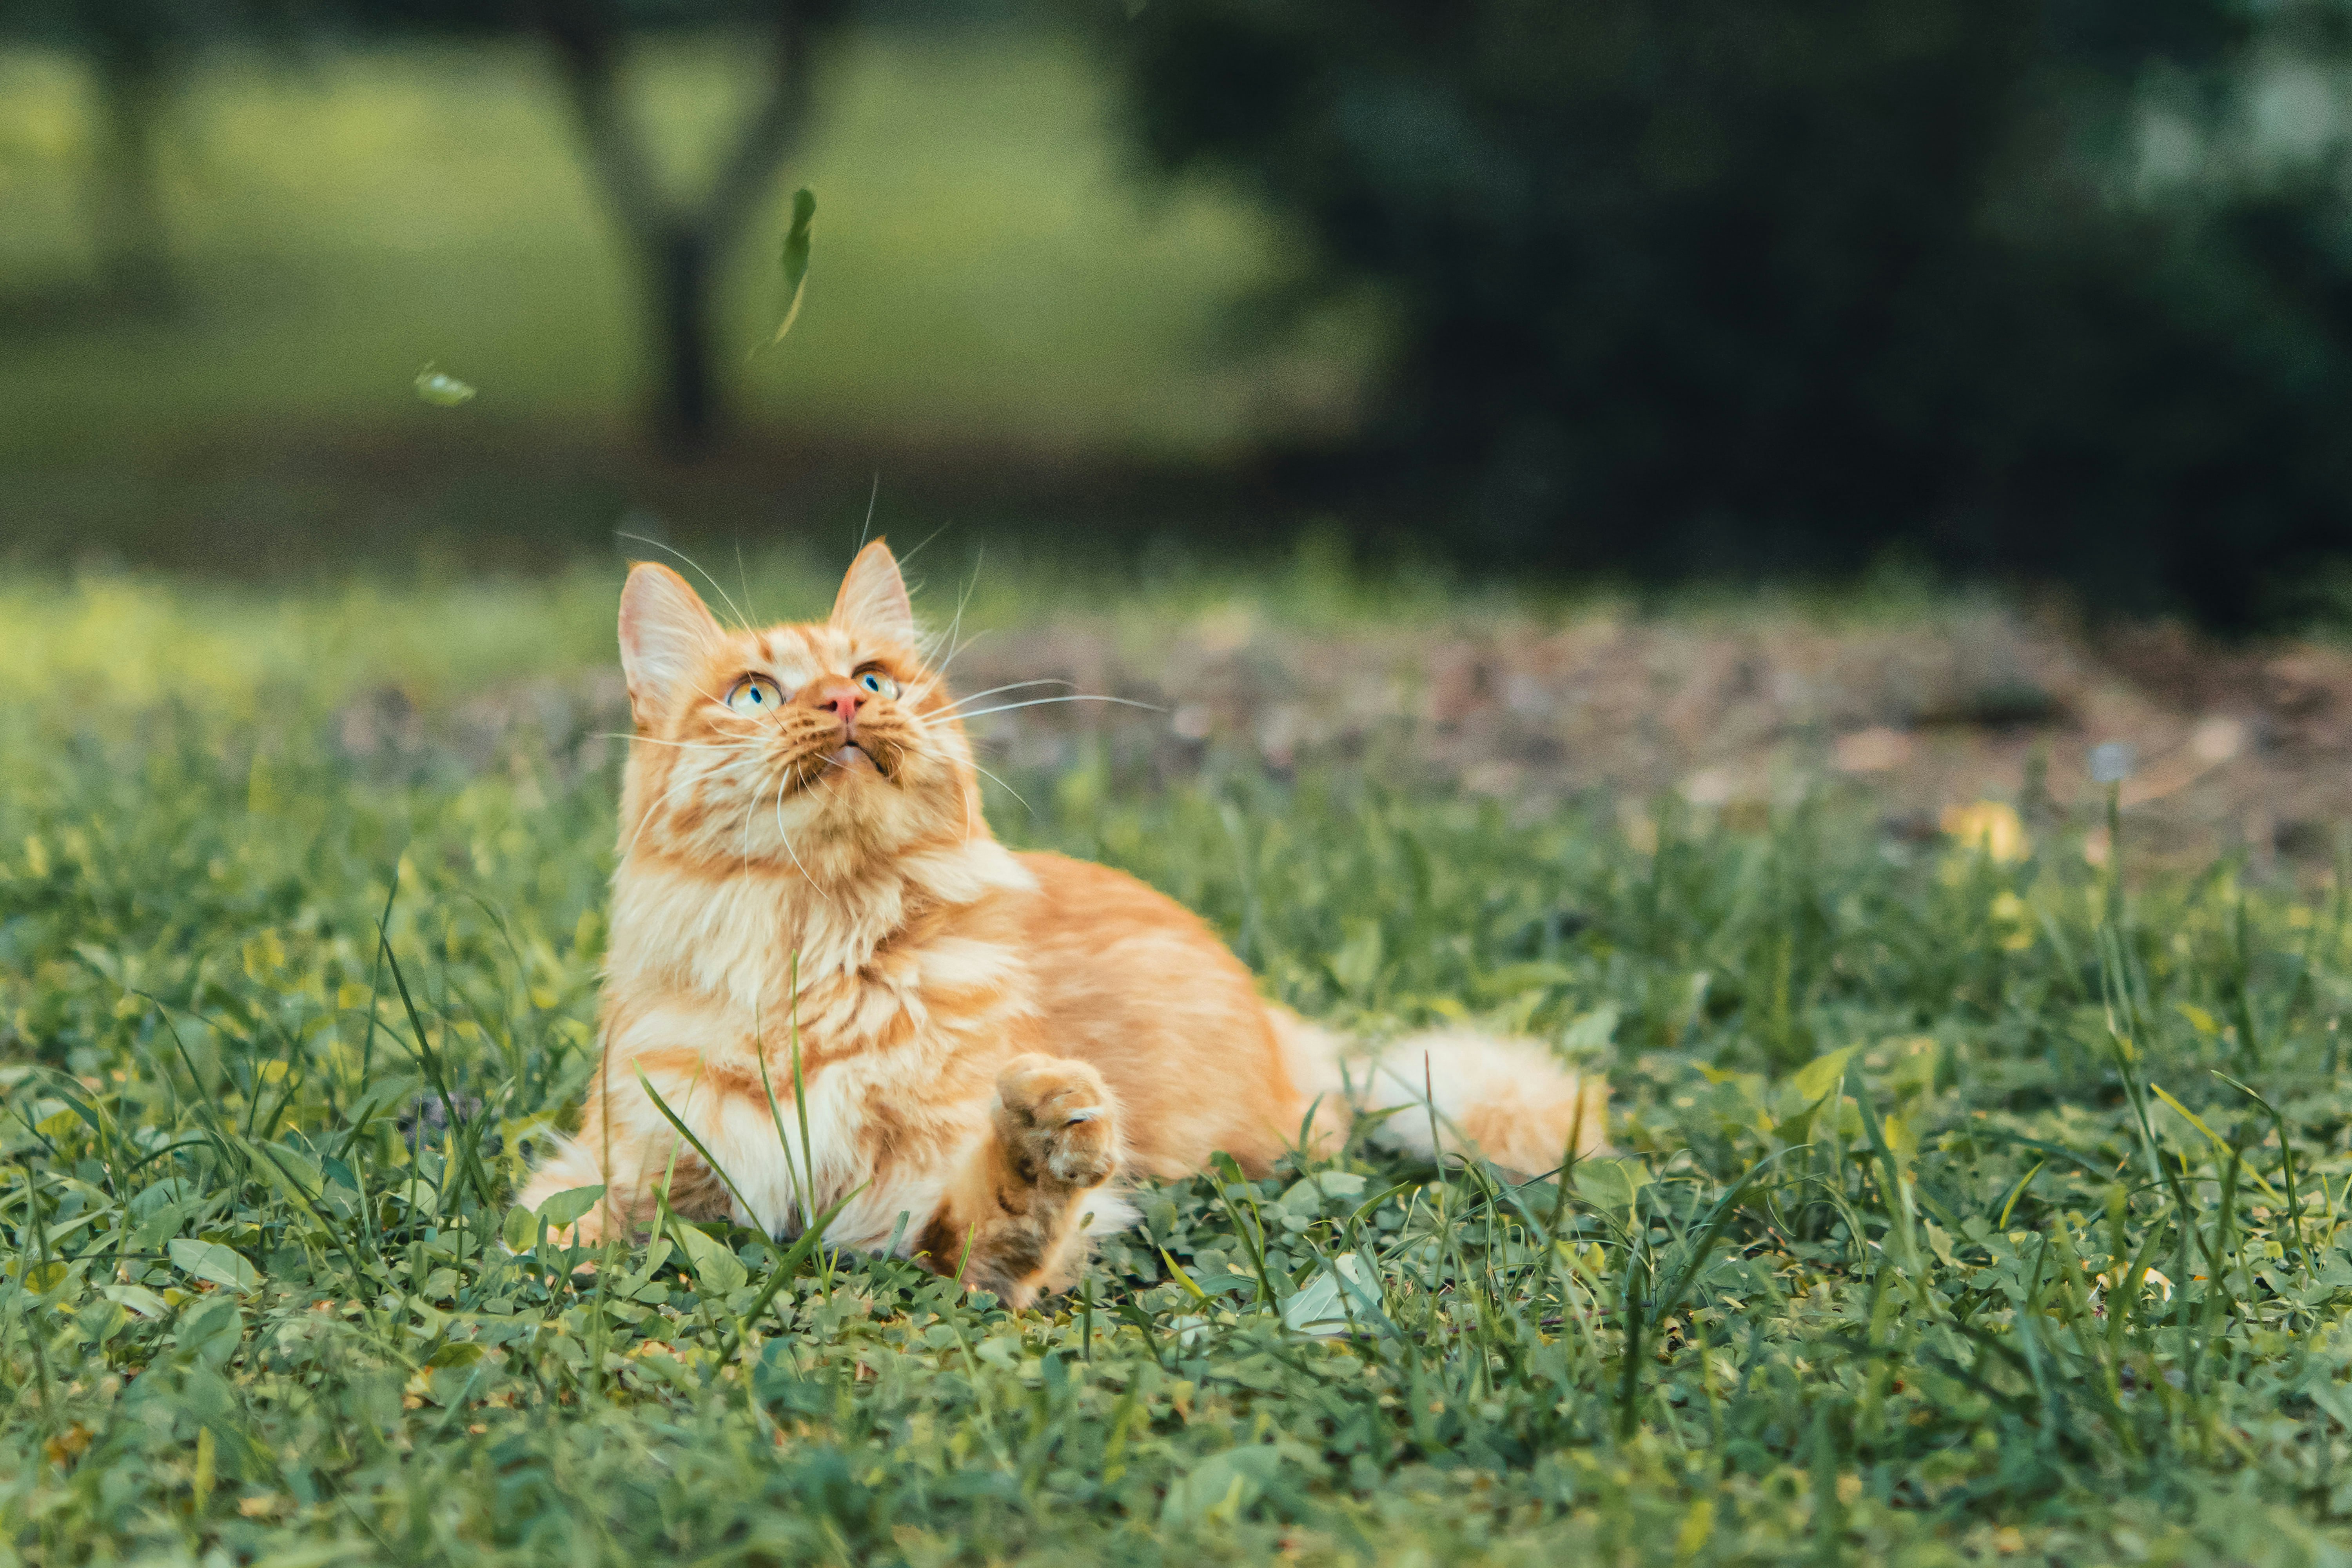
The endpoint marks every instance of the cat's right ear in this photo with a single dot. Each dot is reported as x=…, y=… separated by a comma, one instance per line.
x=666, y=632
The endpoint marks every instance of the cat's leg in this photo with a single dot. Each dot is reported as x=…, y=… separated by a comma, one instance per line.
x=626, y=1147
x=1014, y=1218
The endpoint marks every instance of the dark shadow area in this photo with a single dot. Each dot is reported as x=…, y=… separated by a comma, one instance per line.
x=531, y=500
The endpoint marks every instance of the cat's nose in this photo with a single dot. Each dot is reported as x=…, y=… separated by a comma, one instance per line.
x=842, y=697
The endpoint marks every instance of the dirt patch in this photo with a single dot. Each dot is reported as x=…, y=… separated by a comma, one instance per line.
x=2216, y=749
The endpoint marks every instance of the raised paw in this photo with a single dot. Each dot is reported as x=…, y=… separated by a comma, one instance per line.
x=1057, y=1117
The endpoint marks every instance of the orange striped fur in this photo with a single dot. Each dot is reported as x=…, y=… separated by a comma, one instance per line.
x=989, y=1042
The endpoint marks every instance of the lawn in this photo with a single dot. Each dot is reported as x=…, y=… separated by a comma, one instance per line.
x=1900, y=1122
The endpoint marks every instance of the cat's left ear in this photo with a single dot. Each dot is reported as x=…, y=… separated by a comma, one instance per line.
x=873, y=597
x=666, y=633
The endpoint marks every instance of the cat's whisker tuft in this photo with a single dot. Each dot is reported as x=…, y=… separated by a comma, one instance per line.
x=1005, y=788
x=1083, y=697
x=995, y=690
x=655, y=741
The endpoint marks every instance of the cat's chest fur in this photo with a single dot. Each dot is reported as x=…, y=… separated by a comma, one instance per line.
x=898, y=1003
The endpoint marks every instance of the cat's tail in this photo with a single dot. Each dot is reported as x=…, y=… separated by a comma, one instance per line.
x=1456, y=1091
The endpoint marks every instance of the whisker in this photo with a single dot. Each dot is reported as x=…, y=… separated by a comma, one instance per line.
x=1006, y=787
x=787, y=841
x=742, y=575
x=1041, y=701
x=872, y=496
x=941, y=669
x=955, y=628
x=751, y=812
x=927, y=539
x=951, y=707
x=717, y=586
x=649, y=740
x=654, y=810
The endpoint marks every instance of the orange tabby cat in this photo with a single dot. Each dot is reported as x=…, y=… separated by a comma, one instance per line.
x=990, y=1041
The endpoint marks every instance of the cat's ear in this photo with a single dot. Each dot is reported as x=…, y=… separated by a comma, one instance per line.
x=666, y=632
x=873, y=597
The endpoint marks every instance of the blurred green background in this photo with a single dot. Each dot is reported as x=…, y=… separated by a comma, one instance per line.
x=2036, y=291
x=1002, y=310
x=987, y=272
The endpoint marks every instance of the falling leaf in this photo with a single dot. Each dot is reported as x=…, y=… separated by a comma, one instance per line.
x=796, y=260
x=442, y=389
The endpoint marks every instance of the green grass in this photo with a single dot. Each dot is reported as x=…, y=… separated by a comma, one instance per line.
x=989, y=271
x=121, y=643
x=1886, y=1112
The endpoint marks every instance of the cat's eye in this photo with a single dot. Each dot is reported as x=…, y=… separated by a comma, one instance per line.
x=754, y=694
x=873, y=680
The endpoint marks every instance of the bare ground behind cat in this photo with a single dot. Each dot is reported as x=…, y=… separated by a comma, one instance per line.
x=2220, y=748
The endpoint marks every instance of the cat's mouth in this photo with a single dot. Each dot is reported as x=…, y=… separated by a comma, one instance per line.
x=844, y=765
x=854, y=758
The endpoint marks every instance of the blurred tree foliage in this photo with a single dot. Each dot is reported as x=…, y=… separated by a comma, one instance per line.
x=2049, y=288
x=679, y=239
x=135, y=49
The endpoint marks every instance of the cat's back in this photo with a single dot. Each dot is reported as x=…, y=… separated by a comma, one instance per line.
x=1133, y=982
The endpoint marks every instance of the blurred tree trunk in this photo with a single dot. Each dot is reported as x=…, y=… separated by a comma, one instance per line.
x=129, y=68
x=688, y=405
x=679, y=244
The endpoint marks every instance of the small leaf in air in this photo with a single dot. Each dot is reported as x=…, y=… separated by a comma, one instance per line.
x=442, y=389
x=796, y=260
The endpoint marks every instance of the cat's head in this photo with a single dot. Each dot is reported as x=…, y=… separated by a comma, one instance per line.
x=813, y=747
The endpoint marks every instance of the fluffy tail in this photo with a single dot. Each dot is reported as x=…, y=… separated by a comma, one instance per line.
x=1508, y=1102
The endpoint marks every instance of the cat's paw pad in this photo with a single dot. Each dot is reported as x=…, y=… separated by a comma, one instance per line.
x=1059, y=1117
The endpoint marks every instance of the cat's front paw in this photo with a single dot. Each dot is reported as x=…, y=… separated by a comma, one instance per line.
x=1058, y=1119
